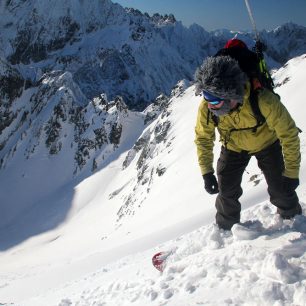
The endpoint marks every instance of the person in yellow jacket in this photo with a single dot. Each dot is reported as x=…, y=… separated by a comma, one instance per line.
x=275, y=143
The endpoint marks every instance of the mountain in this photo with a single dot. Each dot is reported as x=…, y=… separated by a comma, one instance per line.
x=65, y=64
x=91, y=242
x=96, y=136
x=72, y=73
x=106, y=48
x=285, y=42
x=112, y=50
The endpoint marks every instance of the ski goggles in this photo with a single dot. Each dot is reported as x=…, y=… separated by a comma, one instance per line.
x=211, y=99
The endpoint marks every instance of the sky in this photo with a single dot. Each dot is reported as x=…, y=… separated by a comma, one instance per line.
x=226, y=14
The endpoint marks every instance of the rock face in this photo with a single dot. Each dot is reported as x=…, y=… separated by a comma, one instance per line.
x=11, y=88
x=285, y=42
x=56, y=117
x=154, y=141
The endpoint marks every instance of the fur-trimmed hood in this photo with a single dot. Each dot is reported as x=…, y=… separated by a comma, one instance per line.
x=222, y=77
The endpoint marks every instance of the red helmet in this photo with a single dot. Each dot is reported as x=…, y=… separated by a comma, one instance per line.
x=235, y=43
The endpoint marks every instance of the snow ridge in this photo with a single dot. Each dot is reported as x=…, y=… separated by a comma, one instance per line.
x=208, y=267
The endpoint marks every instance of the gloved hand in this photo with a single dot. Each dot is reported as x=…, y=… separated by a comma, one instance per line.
x=290, y=184
x=210, y=183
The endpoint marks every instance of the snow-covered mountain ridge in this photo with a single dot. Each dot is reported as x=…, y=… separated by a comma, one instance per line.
x=112, y=50
x=63, y=66
x=106, y=48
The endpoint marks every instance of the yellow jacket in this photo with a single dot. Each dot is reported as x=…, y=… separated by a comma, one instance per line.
x=278, y=125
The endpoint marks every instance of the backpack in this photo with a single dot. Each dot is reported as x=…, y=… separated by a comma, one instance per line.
x=253, y=64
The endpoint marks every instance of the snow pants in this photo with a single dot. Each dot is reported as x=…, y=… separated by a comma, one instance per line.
x=230, y=169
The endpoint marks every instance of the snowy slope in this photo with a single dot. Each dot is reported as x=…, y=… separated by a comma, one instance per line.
x=207, y=267
x=67, y=69
x=150, y=197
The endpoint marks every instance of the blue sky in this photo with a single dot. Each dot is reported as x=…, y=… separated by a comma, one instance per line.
x=228, y=14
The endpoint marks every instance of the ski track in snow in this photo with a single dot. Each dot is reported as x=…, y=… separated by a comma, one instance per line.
x=261, y=262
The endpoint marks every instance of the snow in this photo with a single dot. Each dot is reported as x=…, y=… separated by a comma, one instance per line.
x=92, y=256
x=207, y=267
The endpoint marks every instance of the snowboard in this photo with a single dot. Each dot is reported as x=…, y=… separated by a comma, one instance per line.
x=159, y=260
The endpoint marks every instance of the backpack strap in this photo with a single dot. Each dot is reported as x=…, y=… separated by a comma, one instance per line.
x=256, y=111
x=256, y=87
x=264, y=74
x=213, y=117
x=254, y=91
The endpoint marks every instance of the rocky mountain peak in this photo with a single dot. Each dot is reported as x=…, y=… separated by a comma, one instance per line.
x=77, y=74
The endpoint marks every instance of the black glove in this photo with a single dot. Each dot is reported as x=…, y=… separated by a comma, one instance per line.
x=290, y=184
x=210, y=183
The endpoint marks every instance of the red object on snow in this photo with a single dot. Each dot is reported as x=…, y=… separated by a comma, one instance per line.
x=232, y=43
x=159, y=260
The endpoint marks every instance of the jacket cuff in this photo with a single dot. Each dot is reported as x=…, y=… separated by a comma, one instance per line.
x=291, y=173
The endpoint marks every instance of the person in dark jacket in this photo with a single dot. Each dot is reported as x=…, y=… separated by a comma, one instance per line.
x=275, y=144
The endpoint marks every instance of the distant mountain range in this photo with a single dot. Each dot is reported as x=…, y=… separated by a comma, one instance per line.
x=116, y=51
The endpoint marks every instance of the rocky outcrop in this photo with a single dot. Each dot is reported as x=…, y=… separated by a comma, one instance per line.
x=57, y=117
x=154, y=140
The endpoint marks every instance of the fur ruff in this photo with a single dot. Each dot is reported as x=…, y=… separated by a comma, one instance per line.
x=222, y=77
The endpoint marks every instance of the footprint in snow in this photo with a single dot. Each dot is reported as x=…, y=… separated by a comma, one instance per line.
x=249, y=230
x=168, y=293
x=190, y=288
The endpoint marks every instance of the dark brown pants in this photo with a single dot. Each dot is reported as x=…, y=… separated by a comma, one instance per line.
x=230, y=168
